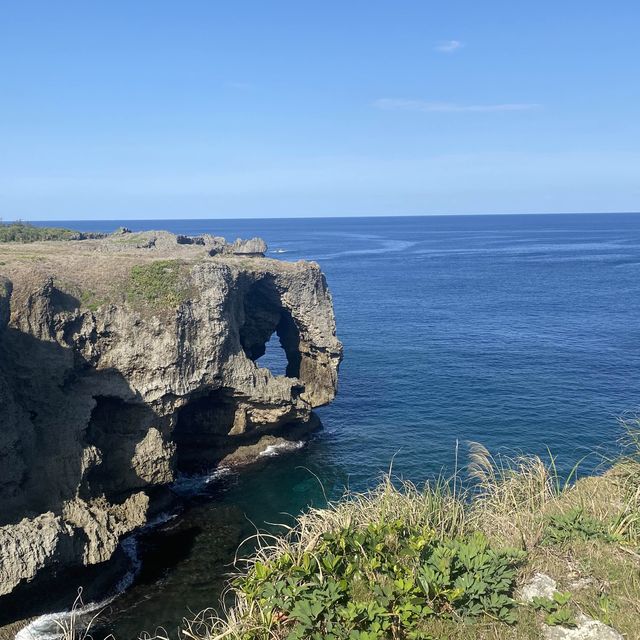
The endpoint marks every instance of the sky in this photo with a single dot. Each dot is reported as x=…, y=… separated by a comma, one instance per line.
x=221, y=109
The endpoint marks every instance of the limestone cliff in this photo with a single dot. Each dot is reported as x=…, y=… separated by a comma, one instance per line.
x=126, y=360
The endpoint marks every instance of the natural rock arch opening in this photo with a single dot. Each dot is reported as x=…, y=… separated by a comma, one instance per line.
x=274, y=357
x=270, y=329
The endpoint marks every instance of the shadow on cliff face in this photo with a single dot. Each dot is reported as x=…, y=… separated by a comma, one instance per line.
x=119, y=428
x=60, y=440
x=203, y=425
x=205, y=433
x=58, y=420
x=45, y=427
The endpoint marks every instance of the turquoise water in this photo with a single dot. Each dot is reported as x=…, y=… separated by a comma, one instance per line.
x=520, y=332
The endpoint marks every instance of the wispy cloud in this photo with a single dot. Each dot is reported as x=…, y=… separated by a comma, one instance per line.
x=240, y=86
x=449, y=46
x=393, y=104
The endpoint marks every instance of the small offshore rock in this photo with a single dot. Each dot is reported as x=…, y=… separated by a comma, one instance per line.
x=252, y=247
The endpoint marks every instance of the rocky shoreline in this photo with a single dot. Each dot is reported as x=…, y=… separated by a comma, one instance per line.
x=127, y=360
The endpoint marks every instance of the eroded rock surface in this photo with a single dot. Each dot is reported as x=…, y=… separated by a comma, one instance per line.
x=126, y=360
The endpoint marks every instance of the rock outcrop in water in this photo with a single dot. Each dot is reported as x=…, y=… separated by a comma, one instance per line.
x=126, y=360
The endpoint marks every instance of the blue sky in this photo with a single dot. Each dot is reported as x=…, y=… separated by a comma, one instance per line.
x=151, y=109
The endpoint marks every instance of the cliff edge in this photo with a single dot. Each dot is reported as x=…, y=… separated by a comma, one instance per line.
x=128, y=359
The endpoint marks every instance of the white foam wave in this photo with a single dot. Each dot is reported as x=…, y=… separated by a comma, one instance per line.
x=197, y=484
x=386, y=246
x=282, y=447
x=50, y=626
x=161, y=518
x=45, y=627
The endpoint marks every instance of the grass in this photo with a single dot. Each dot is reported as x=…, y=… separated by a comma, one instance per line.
x=445, y=561
x=162, y=284
x=91, y=300
x=130, y=239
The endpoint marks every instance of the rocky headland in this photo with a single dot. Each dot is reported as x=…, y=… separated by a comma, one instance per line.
x=129, y=359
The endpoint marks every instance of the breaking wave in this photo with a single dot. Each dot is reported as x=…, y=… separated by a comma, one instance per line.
x=282, y=447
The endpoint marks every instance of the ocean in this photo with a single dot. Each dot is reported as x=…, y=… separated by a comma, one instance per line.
x=518, y=332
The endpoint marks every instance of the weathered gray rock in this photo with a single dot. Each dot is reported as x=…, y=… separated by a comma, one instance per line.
x=540, y=585
x=255, y=247
x=124, y=240
x=252, y=247
x=110, y=385
x=104, y=523
x=31, y=545
x=587, y=629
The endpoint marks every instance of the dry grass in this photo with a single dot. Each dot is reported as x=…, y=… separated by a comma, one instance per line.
x=509, y=494
x=77, y=625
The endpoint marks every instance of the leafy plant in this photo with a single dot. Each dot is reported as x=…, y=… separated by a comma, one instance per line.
x=557, y=609
x=574, y=525
x=605, y=607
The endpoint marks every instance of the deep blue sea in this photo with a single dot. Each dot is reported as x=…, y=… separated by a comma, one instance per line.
x=519, y=332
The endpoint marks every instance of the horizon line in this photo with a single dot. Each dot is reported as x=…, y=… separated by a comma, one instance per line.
x=287, y=217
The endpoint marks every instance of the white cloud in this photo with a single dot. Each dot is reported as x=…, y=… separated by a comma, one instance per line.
x=449, y=46
x=393, y=104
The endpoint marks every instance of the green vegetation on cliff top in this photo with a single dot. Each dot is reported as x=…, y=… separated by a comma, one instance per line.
x=25, y=233
x=163, y=283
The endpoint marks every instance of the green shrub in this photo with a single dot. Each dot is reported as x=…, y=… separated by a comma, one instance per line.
x=400, y=562
x=159, y=284
x=23, y=232
x=574, y=524
x=384, y=580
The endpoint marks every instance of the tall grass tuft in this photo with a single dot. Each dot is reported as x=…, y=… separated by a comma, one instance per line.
x=509, y=493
